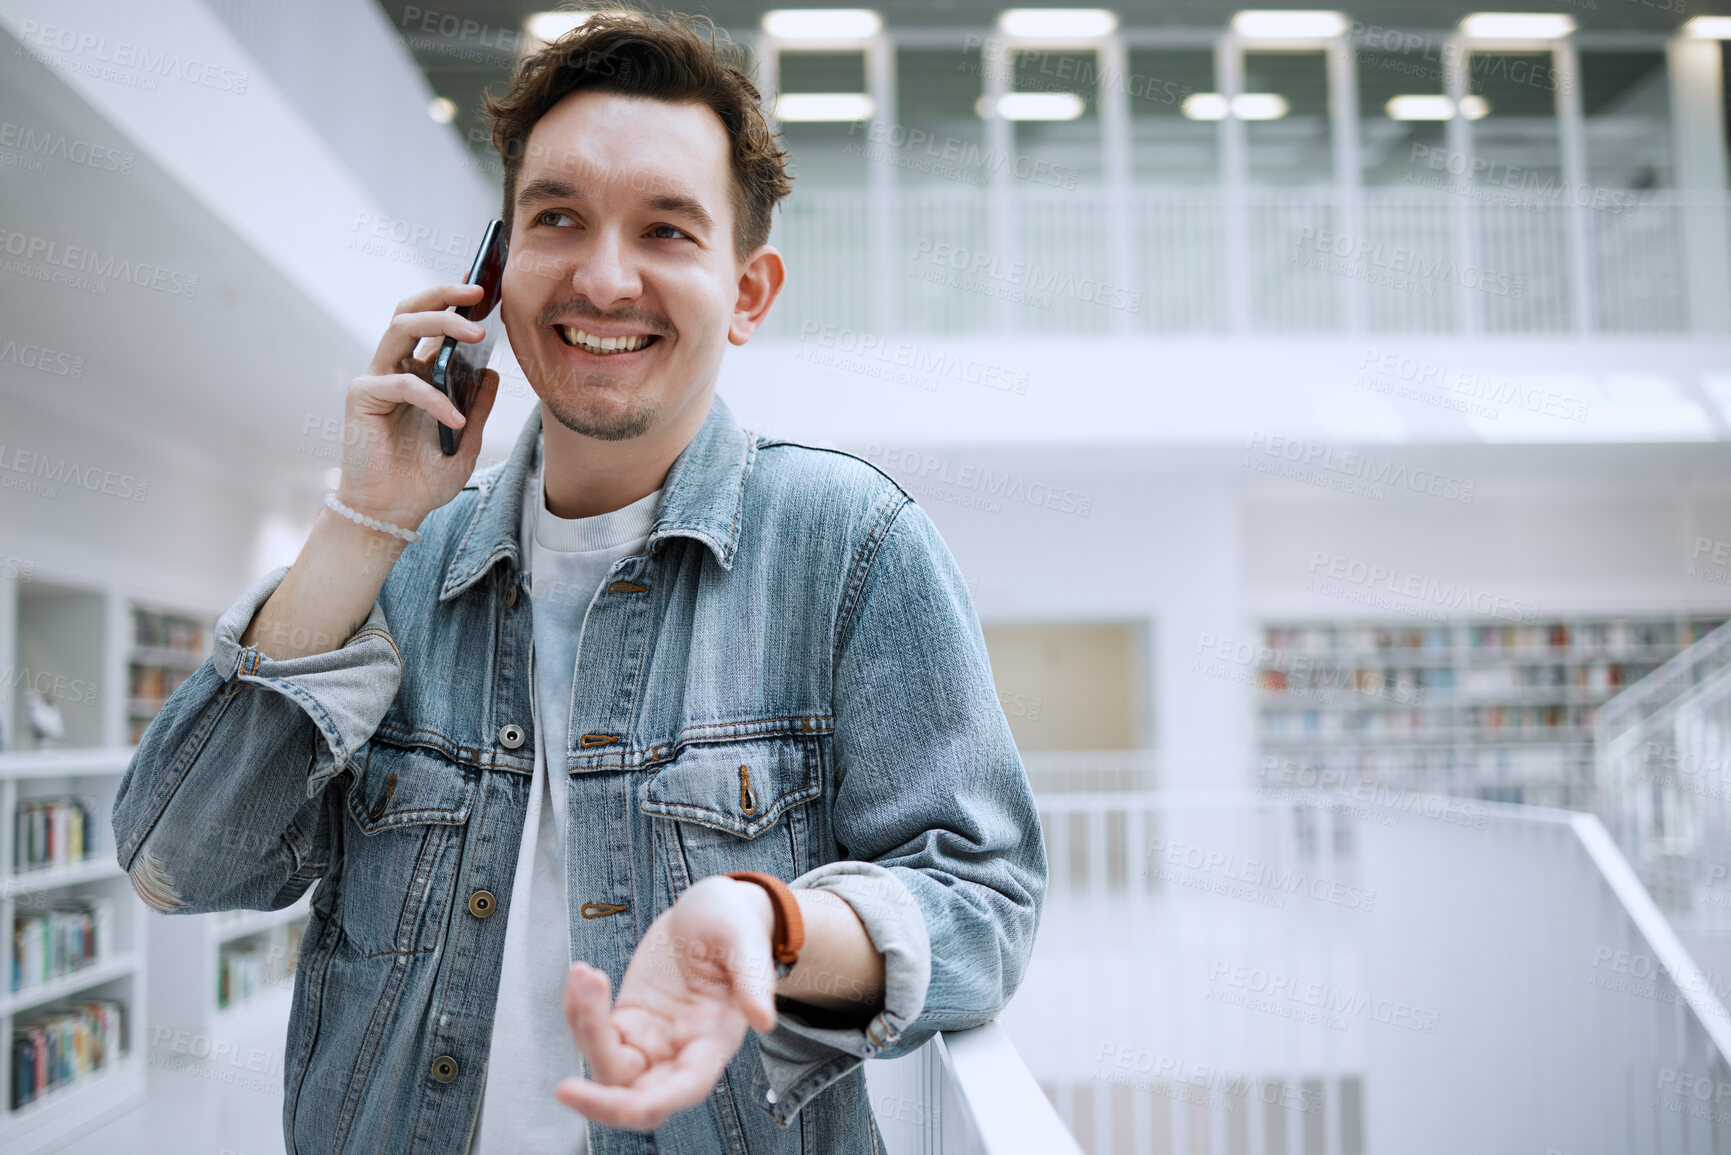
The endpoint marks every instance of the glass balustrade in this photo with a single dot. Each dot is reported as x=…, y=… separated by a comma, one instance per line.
x=1336, y=973
x=1502, y=262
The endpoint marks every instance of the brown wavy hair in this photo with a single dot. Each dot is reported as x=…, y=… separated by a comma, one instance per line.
x=658, y=56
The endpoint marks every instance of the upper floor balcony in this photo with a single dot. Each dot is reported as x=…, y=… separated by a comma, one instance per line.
x=1092, y=176
x=1464, y=261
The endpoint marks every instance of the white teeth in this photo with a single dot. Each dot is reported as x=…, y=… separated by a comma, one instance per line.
x=593, y=344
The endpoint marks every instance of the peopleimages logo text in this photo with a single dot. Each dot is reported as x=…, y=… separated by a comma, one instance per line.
x=923, y=360
x=1269, y=878
x=63, y=472
x=87, y=260
x=157, y=63
x=58, y=146
x=1000, y=486
x=1453, y=595
x=1022, y=275
x=1367, y=467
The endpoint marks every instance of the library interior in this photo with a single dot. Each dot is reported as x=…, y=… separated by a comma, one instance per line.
x=1327, y=413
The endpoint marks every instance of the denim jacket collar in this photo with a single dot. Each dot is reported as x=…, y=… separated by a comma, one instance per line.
x=701, y=498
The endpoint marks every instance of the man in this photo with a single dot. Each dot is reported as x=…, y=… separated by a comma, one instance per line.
x=522, y=754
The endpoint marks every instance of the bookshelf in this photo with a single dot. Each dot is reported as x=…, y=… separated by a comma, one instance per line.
x=228, y=973
x=97, y=964
x=79, y=942
x=1474, y=708
x=165, y=648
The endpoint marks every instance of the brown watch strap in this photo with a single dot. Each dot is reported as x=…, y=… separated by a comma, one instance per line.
x=788, y=937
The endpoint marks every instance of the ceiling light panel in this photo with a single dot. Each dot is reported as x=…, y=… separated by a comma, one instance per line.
x=1262, y=25
x=1259, y=106
x=1034, y=106
x=816, y=107
x=1420, y=108
x=1517, y=26
x=1057, y=25
x=822, y=24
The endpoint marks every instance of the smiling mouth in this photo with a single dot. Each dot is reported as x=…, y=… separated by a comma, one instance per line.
x=602, y=346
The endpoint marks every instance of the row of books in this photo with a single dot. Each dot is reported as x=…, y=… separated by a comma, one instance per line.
x=1321, y=639
x=1591, y=676
x=1434, y=769
x=1346, y=679
x=1391, y=723
x=1585, y=637
x=1495, y=719
x=1593, y=637
x=52, y=832
x=156, y=682
x=59, y=1046
x=167, y=631
x=1560, y=721
x=248, y=966
x=74, y=934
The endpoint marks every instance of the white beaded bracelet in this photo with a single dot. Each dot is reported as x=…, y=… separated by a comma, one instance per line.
x=407, y=535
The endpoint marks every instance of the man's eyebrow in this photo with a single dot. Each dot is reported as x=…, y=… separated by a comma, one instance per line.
x=547, y=188
x=683, y=204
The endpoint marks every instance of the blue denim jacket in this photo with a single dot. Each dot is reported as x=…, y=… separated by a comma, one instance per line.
x=790, y=679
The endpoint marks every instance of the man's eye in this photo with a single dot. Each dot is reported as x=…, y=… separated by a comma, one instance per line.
x=668, y=232
x=547, y=218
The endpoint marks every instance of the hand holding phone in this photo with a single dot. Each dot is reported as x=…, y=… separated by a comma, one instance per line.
x=392, y=466
x=458, y=366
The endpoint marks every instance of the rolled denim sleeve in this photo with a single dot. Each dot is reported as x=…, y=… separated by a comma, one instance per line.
x=343, y=692
x=221, y=806
x=798, y=1050
x=931, y=796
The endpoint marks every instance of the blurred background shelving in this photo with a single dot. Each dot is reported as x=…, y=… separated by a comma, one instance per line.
x=1493, y=711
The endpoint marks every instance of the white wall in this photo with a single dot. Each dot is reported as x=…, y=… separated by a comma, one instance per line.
x=1158, y=545
x=188, y=542
x=1203, y=550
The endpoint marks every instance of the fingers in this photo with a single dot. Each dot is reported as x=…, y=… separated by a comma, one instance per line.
x=438, y=297
x=589, y=1014
x=424, y=315
x=751, y=977
x=664, y=1088
x=407, y=330
x=381, y=394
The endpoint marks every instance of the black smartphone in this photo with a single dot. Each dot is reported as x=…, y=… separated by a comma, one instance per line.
x=457, y=368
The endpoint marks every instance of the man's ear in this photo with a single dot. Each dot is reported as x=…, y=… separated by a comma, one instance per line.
x=760, y=281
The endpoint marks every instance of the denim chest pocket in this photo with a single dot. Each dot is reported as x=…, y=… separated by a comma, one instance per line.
x=737, y=806
x=408, y=811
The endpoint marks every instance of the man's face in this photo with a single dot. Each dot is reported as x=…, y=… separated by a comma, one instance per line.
x=622, y=281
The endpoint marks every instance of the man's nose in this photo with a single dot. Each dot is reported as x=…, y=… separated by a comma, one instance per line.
x=607, y=273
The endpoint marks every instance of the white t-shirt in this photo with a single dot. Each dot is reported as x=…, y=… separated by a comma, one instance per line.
x=532, y=1048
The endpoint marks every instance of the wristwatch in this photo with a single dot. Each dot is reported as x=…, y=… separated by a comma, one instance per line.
x=788, y=937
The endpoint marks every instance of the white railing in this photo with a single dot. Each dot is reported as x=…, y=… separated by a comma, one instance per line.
x=1663, y=754
x=965, y=1093
x=1408, y=260
x=1367, y=972
x=1091, y=771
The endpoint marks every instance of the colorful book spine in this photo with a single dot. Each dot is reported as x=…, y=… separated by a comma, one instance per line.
x=52, y=832
x=75, y=934
x=57, y=1047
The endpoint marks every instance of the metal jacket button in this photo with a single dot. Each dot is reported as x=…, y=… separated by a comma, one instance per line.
x=444, y=1069
x=481, y=903
x=510, y=735
x=510, y=593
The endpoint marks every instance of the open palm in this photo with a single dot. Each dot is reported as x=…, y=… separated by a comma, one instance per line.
x=699, y=978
